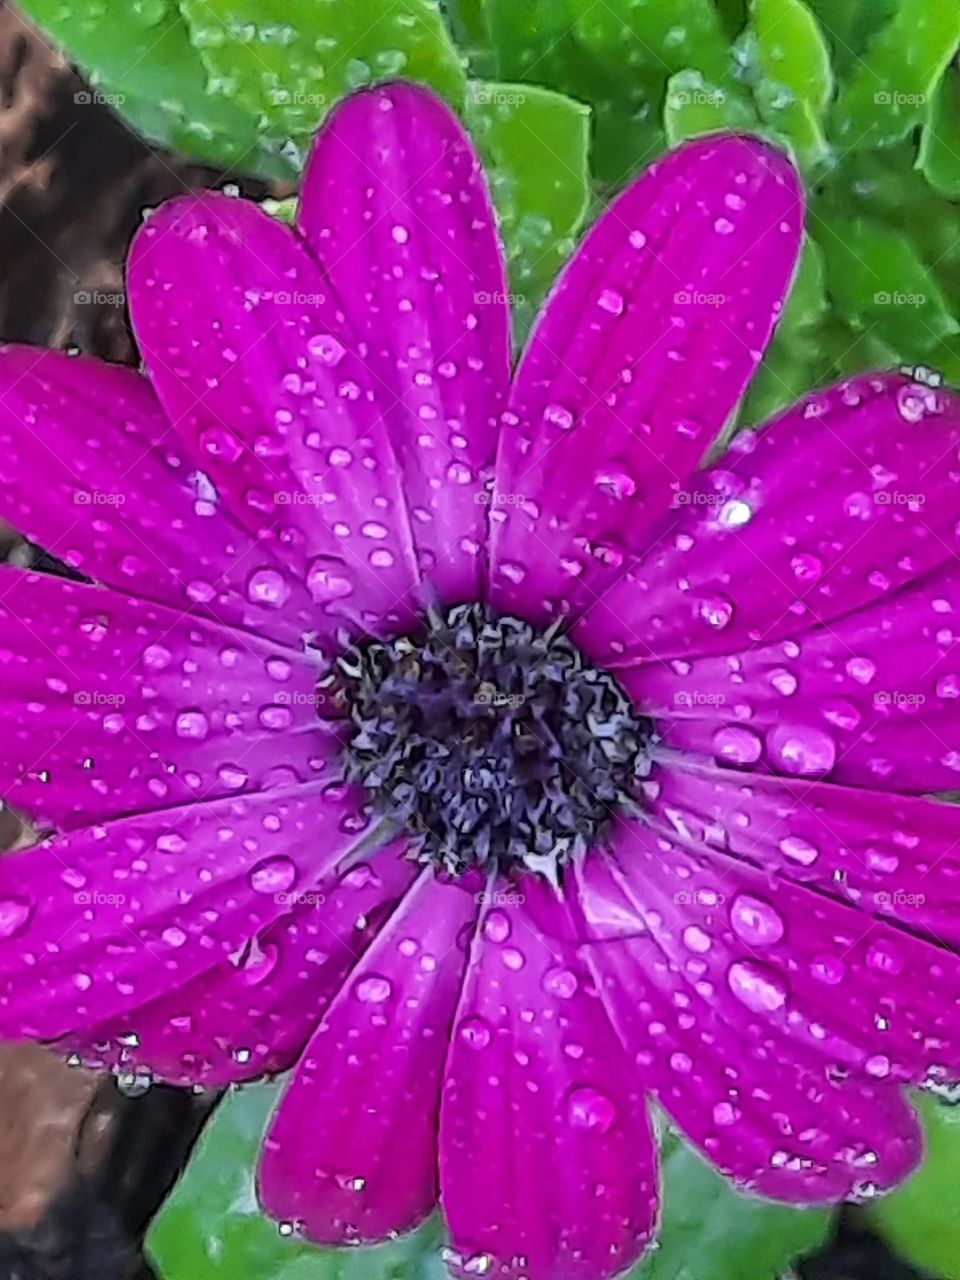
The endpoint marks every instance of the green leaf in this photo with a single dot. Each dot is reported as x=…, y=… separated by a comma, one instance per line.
x=891, y=86
x=921, y=1219
x=616, y=56
x=878, y=282
x=693, y=106
x=535, y=145
x=711, y=1232
x=850, y=24
x=288, y=63
x=211, y=1228
x=796, y=79
x=140, y=56
x=939, y=157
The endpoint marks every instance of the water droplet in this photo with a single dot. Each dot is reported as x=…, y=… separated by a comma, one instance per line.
x=14, y=915
x=327, y=581
x=273, y=875
x=716, y=612
x=755, y=921
x=475, y=1033
x=173, y=936
x=801, y=751
x=736, y=744
x=560, y=982
x=327, y=349
x=558, y=416
x=756, y=988
x=268, y=586
x=611, y=302
x=696, y=939
x=589, y=1109
x=373, y=989
x=799, y=850
x=497, y=926
x=192, y=724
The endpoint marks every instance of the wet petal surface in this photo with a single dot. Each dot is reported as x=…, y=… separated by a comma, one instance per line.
x=846, y=497
x=252, y=1014
x=92, y=470
x=774, y=1116
x=117, y=705
x=644, y=348
x=104, y=920
x=395, y=206
x=352, y=1151
x=536, y=1081
x=262, y=377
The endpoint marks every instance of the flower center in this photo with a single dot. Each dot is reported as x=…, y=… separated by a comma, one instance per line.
x=499, y=746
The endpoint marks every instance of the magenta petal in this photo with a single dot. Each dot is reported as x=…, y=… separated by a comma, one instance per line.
x=870, y=700
x=888, y=855
x=352, y=1151
x=107, y=919
x=643, y=350
x=115, y=705
x=773, y=958
x=253, y=360
x=395, y=206
x=841, y=500
x=773, y=1117
x=253, y=1014
x=90, y=470
x=548, y=1168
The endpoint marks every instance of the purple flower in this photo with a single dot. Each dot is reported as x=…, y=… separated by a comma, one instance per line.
x=458, y=742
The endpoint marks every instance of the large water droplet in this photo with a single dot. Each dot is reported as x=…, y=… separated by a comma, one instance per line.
x=758, y=989
x=273, y=875
x=589, y=1109
x=755, y=921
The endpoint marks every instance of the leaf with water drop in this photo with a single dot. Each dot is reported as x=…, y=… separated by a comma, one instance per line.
x=140, y=58
x=616, y=56
x=693, y=106
x=290, y=63
x=211, y=1226
x=535, y=144
x=879, y=282
x=708, y=1231
x=921, y=1219
x=939, y=157
x=796, y=79
x=891, y=86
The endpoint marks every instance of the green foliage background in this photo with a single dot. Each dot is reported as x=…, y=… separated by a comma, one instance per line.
x=568, y=99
